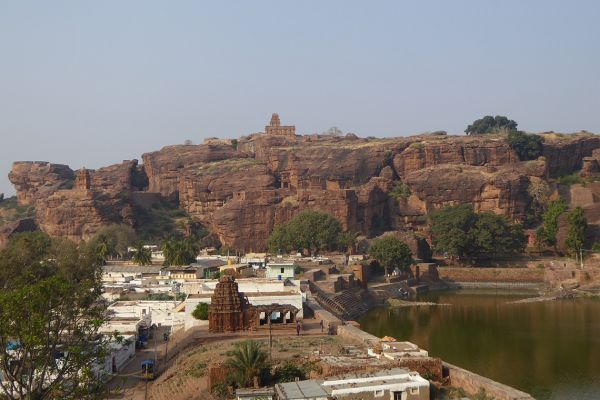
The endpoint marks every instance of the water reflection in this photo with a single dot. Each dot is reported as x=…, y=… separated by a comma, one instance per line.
x=550, y=349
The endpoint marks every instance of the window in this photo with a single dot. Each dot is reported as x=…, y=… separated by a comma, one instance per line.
x=379, y=393
x=414, y=390
x=397, y=395
x=282, y=270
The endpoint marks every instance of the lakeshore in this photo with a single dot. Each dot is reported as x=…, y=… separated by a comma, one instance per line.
x=548, y=349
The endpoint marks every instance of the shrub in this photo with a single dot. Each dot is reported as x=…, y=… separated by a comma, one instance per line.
x=527, y=146
x=201, y=312
x=400, y=191
x=489, y=124
x=289, y=372
x=568, y=180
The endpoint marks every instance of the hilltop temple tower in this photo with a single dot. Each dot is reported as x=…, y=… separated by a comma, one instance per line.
x=275, y=128
x=83, y=180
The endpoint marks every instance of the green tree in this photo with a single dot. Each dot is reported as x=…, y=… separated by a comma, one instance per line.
x=450, y=230
x=463, y=233
x=201, y=312
x=309, y=230
x=489, y=124
x=247, y=361
x=391, y=252
x=180, y=251
x=576, y=233
x=347, y=241
x=113, y=241
x=549, y=229
x=141, y=254
x=527, y=146
x=49, y=319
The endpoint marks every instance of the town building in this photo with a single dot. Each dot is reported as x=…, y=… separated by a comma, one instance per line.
x=280, y=270
x=124, y=273
x=255, y=394
x=393, y=384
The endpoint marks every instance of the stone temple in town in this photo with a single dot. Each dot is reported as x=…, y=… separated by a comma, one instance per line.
x=230, y=311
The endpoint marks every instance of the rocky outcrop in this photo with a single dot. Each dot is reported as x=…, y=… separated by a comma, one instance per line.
x=566, y=155
x=240, y=189
x=22, y=225
x=207, y=187
x=164, y=167
x=36, y=180
x=502, y=191
x=472, y=151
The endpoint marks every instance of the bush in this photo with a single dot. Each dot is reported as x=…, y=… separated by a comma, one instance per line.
x=568, y=180
x=289, y=372
x=400, y=191
x=201, y=312
x=527, y=147
x=489, y=124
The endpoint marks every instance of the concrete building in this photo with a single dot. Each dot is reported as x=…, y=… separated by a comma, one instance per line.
x=124, y=273
x=280, y=270
x=394, y=384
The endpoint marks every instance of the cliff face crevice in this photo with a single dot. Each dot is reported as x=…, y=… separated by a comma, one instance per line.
x=241, y=190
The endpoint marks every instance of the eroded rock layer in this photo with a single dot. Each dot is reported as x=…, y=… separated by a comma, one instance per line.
x=240, y=189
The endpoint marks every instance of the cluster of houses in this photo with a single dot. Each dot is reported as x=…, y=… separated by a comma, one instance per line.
x=145, y=297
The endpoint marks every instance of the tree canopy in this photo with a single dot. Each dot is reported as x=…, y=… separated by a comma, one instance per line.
x=180, y=251
x=49, y=319
x=309, y=230
x=141, y=254
x=527, y=146
x=576, y=233
x=391, y=252
x=546, y=234
x=489, y=124
x=461, y=232
x=247, y=361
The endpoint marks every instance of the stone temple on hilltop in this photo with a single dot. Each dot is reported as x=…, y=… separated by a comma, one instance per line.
x=275, y=128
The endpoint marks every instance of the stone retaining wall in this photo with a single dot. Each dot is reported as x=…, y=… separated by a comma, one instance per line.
x=471, y=383
x=461, y=274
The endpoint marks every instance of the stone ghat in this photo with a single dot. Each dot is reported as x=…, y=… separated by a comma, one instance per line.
x=491, y=275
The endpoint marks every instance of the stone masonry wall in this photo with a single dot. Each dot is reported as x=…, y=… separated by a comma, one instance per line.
x=491, y=274
x=471, y=383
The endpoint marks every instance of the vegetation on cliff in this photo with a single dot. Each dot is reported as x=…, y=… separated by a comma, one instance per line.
x=49, y=307
x=309, y=230
x=489, y=124
x=546, y=234
x=576, y=233
x=461, y=232
x=527, y=146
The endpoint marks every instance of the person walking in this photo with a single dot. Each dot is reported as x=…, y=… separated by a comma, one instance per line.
x=297, y=328
x=321, y=325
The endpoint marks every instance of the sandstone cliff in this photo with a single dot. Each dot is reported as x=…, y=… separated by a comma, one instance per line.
x=240, y=190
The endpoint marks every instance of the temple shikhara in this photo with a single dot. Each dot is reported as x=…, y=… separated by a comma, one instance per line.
x=230, y=310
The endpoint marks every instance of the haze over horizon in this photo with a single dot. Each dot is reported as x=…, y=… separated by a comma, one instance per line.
x=90, y=84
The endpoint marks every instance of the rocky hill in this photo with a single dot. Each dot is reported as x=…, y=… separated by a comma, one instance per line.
x=240, y=189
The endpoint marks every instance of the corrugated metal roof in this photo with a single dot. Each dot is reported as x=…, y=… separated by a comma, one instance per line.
x=142, y=269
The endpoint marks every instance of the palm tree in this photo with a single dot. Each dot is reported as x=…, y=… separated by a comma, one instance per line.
x=167, y=248
x=102, y=249
x=142, y=255
x=246, y=362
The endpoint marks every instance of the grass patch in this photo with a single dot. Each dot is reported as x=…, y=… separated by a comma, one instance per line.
x=10, y=210
x=198, y=370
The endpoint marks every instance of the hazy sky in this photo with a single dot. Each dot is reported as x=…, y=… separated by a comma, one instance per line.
x=92, y=83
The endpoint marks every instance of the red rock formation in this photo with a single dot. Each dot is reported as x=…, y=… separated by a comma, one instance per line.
x=35, y=180
x=164, y=167
x=241, y=190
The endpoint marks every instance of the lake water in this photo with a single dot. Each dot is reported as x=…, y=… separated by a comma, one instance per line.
x=550, y=350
